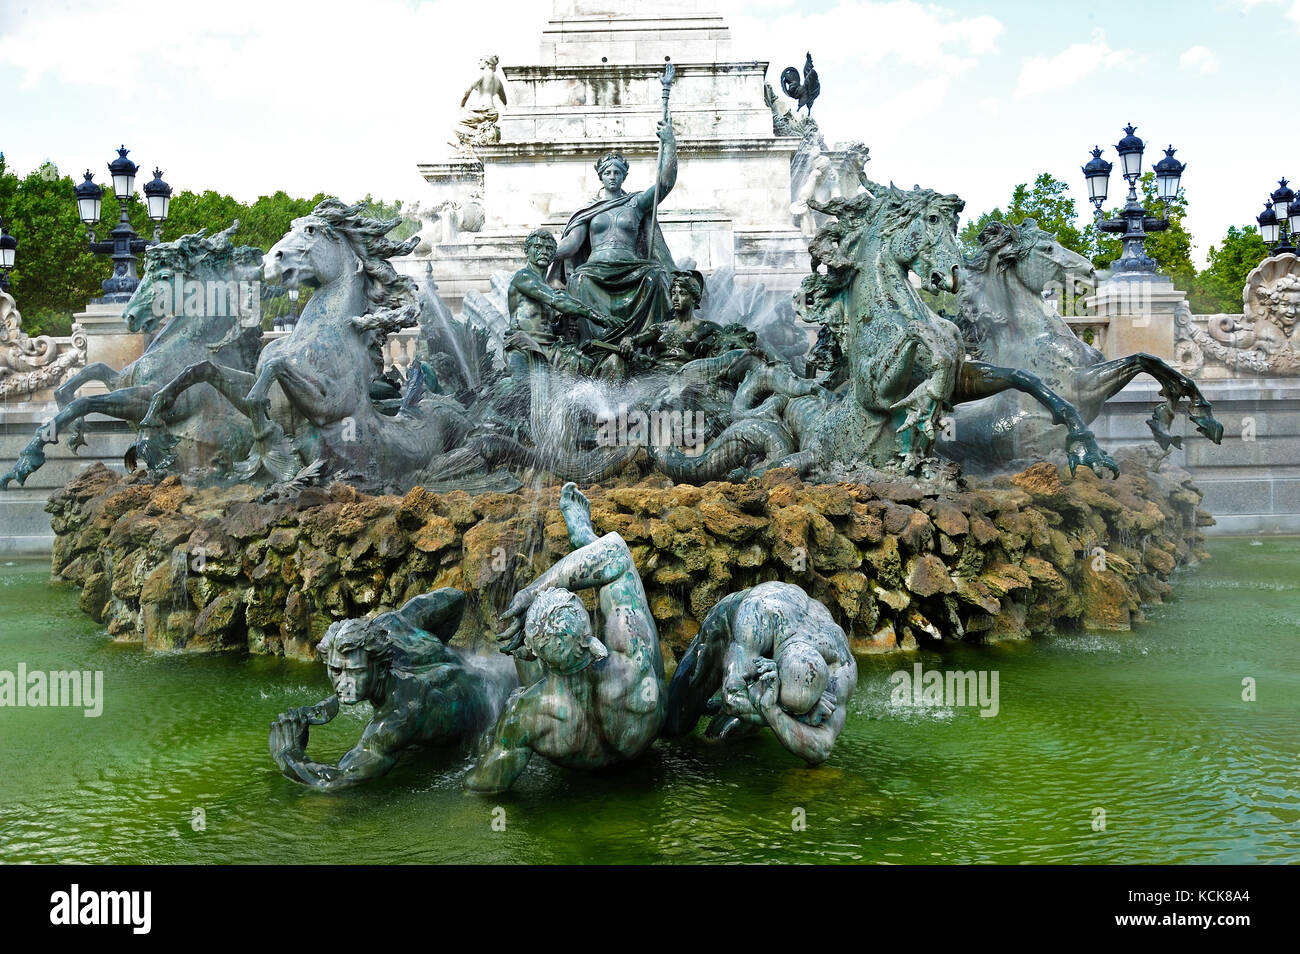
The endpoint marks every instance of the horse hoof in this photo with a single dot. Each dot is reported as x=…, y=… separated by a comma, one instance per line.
x=1211, y=428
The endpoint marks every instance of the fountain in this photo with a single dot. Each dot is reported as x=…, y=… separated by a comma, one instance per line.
x=750, y=518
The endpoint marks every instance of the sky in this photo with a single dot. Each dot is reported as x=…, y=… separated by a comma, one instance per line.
x=347, y=96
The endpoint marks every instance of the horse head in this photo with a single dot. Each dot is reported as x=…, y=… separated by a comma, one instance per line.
x=916, y=229
x=922, y=225
x=1046, y=263
x=1015, y=265
x=335, y=245
x=312, y=253
x=195, y=277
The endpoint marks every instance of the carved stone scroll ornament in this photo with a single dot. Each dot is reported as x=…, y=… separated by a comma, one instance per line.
x=28, y=364
x=1263, y=339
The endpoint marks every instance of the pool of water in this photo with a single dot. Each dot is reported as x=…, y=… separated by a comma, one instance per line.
x=1149, y=727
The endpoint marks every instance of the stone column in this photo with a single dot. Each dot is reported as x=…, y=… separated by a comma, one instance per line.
x=1138, y=315
x=108, y=340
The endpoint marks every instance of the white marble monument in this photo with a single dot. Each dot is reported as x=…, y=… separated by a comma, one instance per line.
x=596, y=88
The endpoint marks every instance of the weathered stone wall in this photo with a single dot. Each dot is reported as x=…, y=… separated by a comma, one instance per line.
x=177, y=567
x=1251, y=481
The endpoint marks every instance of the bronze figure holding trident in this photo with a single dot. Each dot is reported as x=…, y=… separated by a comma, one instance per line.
x=612, y=256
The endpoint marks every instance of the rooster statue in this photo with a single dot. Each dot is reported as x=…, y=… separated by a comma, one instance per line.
x=804, y=92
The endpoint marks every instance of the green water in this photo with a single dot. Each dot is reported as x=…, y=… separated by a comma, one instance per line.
x=1149, y=726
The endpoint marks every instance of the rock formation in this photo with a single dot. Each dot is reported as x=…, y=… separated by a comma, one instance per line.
x=174, y=566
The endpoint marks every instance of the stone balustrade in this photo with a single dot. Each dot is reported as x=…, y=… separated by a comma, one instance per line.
x=399, y=350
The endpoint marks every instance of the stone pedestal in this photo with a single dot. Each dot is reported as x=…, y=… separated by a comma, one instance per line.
x=108, y=340
x=596, y=88
x=1251, y=481
x=1135, y=315
x=24, y=524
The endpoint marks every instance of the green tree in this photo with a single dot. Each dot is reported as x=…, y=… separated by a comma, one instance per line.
x=191, y=211
x=388, y=210
x=1217, y=289
x=1047, y=202
x=56, y=274
x=269, y=218
x=970, y=232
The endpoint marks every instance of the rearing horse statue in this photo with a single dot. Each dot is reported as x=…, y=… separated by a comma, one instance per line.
x=1006, y=321
x=326, y=364
x=906, y=365
x=216, y=323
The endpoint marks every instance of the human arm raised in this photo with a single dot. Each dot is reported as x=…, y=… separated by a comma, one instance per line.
x=667, y=172
x=597, y=564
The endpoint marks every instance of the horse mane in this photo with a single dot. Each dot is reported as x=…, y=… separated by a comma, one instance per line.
x=882, y=210
x=1002, y=245
x=190, y=252
x=368, y=238
x=892, y=207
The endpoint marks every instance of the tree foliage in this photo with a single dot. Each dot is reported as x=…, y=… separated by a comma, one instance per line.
x=1214, y=289
x=1049, y=203
x=1217, y=288
x=390, y=210
x=55, y=273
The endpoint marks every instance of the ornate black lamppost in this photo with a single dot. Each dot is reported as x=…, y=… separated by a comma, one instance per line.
x=8, y=251
x=1279, y=223
x=284, y=322
x=125, y=244
x=1133, y=224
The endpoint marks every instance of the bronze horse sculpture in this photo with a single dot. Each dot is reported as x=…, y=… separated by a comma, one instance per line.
x=326, y=364
x=217, y=323
x=906, y=365
x=1006, y=321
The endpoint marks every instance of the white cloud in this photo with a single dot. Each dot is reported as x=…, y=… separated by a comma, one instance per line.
x=1198, y=59
x=247, y=97
x=345, y=98
x=1292, y=12
x=869, y=35
x=920, y=100
x=253, y=96
x=1043, y=74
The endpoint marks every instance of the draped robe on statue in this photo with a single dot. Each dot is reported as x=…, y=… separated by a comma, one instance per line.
x=633, y=292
